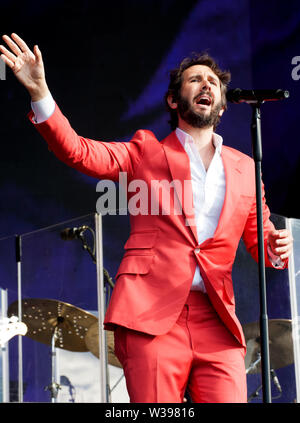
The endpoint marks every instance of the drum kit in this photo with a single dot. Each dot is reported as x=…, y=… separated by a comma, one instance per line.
x=65, y=326
x=280, y=350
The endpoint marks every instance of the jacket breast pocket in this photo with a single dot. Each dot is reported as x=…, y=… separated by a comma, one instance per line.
x=141, y=242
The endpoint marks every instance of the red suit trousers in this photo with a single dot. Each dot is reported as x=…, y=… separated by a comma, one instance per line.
x=198, y=354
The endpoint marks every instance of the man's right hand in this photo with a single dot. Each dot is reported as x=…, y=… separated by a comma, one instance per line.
x=27, y=65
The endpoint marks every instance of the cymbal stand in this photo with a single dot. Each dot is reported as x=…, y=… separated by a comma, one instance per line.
x=254, y=364
x=54, y=386
x=255, y=394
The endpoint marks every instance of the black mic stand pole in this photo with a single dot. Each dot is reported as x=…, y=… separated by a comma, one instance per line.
x=86, y=247
x=264, y=329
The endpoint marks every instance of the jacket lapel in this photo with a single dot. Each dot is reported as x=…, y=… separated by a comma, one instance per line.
x=179, y=166
x=233, y=172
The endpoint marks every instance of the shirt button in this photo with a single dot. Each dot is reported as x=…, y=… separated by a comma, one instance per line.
x=197, y=250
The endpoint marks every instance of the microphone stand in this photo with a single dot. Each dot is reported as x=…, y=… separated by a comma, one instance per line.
x=107, y=279
x=86, y=247
x=264, y=330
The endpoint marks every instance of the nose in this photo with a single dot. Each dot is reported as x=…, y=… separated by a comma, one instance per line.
x=205, y=85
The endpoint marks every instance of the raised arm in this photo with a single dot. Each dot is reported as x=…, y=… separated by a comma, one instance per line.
x=97, y=159
x=27, y=65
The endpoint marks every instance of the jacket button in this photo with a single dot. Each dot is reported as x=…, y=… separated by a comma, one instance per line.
x=197, y=250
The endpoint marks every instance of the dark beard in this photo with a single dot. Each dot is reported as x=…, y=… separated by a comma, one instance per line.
x=198, y=120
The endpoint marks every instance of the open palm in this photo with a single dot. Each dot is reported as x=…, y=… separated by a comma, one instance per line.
x=27, y=66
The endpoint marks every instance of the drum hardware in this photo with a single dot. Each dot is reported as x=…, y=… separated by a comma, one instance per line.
x=281, y=349
x=253, y=365
x=108, y=284
x=92, y=343
x=255, y=394
x=275, y=380
x=51, y=320
x=54, y=386
x=64, y=326
x=55, y=323
x=280, y=340
x=117, y=382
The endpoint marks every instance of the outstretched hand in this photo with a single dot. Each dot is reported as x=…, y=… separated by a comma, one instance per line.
x=281, y=242
x=27, y=65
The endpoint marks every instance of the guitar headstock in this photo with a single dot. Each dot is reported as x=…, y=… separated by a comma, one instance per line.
x=10, y=327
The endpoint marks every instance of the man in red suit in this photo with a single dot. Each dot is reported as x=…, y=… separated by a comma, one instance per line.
x=172, y=308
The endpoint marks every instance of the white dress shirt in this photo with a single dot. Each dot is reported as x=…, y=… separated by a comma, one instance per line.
x=208, y=188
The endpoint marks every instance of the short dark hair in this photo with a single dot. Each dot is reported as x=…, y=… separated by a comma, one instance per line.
x=176, y=80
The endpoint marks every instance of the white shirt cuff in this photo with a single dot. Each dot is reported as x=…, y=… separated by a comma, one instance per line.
x=274, y=259
x=43, y=108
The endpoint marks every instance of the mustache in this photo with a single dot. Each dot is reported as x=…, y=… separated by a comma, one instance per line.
x=203, y=92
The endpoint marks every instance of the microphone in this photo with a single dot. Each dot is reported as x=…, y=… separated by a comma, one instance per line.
x=71, y=233
x=275, y=380
x=237, y=95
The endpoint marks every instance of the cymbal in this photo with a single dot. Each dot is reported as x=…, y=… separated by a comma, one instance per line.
x=43, y=316
x=92, y=343
x=280, y=343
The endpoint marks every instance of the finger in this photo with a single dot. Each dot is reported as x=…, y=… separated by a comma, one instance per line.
x=283, y=233
x=285, y=256
x=8, y=53
x=38, y=54
x=23, y=46
x=13, y=46
x=283, y=249
x=7, y=61
x=284, y=241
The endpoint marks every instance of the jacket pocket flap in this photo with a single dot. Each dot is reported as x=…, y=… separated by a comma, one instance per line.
x=145, y=239
x=135, y=265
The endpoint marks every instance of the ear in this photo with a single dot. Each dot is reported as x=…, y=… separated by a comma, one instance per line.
x=221, y=111
x=172, y=102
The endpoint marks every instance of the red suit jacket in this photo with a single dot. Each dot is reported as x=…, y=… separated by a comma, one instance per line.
x=161, y=254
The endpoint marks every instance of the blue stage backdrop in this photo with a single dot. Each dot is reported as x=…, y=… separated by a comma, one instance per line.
x=107, y=67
